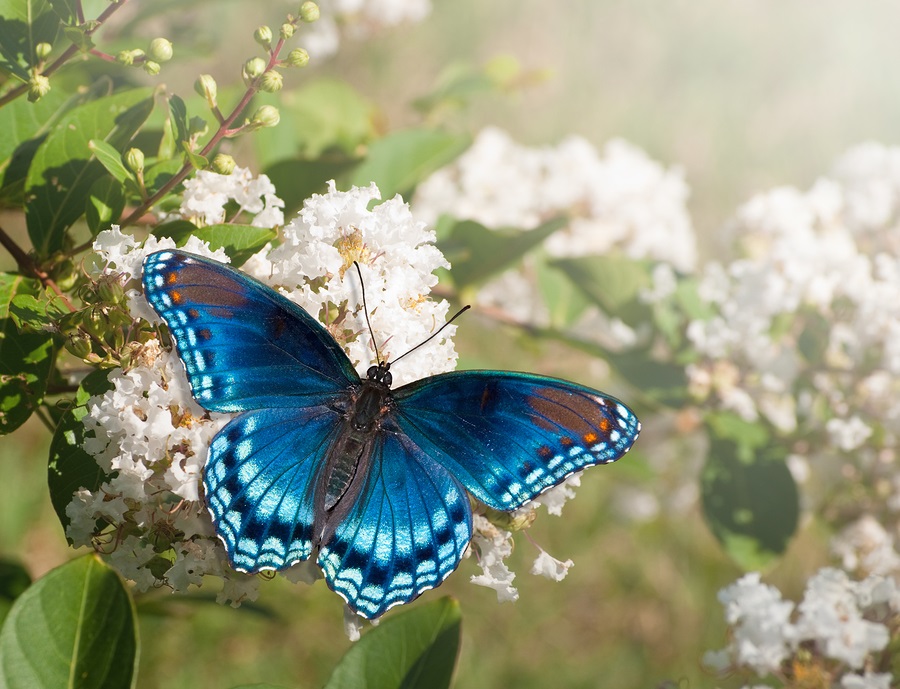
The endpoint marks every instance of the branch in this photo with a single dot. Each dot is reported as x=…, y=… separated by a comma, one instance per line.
x=29, y=267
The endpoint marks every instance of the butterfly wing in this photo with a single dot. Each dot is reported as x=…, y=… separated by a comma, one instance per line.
x=243, y=345
x=260, y=482
x=404, y=534
x=510, y=436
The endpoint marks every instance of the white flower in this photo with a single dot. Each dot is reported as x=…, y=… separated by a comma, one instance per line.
x=548, y=566
x=848, y=434
x=207, y=193
x=870, y=680
x=493, y=546
x=864, y=546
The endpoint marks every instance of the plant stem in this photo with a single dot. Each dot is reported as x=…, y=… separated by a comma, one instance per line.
x=29, y=267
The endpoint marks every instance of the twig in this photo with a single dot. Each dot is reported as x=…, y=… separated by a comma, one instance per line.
x=29, y=267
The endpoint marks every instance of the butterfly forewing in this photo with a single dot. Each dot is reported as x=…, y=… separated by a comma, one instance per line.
x=243, y=345
x=510, y=436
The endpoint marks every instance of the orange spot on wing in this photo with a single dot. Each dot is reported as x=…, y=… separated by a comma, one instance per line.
x=176, y=296
x=545, y=452
x=172, y=278
x=566, y=442
x=604, y=424
x=590, y=438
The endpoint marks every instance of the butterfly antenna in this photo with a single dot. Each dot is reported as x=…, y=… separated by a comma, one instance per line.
x=434, y=334
x=362, y=286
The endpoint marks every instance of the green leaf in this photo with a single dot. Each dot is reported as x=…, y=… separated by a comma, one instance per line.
x=179, y=119
x=159, y=174
x=402, y=159
x=324, y=115
x=24, y=24
x=749, y=497
x=75, y=628
x=14, y=579
x=564, y=301
x=35, y=313
x=12, y=285
x=65, y=10
x=611, y=282
x=25, y=363
x=105, y=204
x=477, y=254
x=297, y=180
x=70, y=467
x=62, y=172
x=111, y=159
x=198, y=162
x=240, y=242
x=260, y=686
x=413, y=649
x=661, y=381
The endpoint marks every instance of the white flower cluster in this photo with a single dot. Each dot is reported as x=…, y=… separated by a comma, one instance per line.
x=207, y=194
x=806, y=324
x=358, y=19
x=838, y=620
x=619, y=200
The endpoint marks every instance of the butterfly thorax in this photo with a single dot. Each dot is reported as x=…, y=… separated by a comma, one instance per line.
x=367, y=406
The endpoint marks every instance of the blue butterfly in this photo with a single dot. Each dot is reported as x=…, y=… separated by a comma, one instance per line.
x=373, y=481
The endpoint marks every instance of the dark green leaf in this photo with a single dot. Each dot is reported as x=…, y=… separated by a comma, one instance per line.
x=65, y=10
x=413, y=649
x=25, y=363
x=239, y=241
x=110, y=158
x=297, y=180
x=105, y=204
x=14, y=579
x=750, y=500
x=611, y=282
x=12, y=285
x=661, y=381
x=24, y=24
x=70, y=467
x=74, y=628
x=179, y=119
x=260, y=686
x=402, y=159
x=477, y=254
x=35, y=313
x=325, y=115
x=158, y=175
x=63, y=171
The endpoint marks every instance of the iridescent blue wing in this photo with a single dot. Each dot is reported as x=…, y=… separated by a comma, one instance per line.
x=260, y=482
x=510, y=436
x=404, y=534
x=243, y=345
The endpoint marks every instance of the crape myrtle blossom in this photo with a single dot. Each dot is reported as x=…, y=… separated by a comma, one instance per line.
x=151, y=438
x=838, y=620
x=207, y=194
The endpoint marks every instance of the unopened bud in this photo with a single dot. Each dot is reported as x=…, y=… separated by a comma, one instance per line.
x=253, y=68
x=79, y=344
x=160, y=50
x=298, y=57
x=152, y=68
x=42, y=50
x=127, y=57
x=287, y=30
x=271, y=81
x=266, y=116
x=309, y=11
x=223, y=164
x=111, y=290
x=38, y=87
x=263, y=36
x=206, y=86
x=134, y=160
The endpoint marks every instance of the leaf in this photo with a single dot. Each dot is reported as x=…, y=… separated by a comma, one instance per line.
x=62, y=171
x=297, y=180
x=111, y=159
x=178, y=118
x=197, y=161
x=14, y=579
x=413, y=649
x=70, y=467
x=75, y=628
x=402, y=159
x=749, y=497
x=564, y=301
x=661, y=381
x=157, y=175
x=105, y=204
x=612, y=282
x=12, y=285
x=477, y=253
x=65, y=10
x=239, y=241
x=324, y=115
x=25, y=363
x=24, y=24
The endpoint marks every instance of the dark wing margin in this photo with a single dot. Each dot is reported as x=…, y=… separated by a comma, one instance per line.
x=243, y=345
x=507, y=437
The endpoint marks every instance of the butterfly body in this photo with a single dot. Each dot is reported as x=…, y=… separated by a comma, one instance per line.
x=370, y=481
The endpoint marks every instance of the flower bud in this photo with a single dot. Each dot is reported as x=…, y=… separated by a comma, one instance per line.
x=253, y=68
x=298, y=57
x=271, y=81
x=206, y=86
x=160, y=50
x=134, y=160
x=309, y=11
x=287, y=30
x=110, y=290
x=152, y=68
x=42, y=50
x=38, y=87
x=127, y=57
x=263, y=36
x=79, y=344
x=266, y=116
x=223, y=164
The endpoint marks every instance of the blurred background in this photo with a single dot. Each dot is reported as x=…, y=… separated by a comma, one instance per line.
x=744, y=95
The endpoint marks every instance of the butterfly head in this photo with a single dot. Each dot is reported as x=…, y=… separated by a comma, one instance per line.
x=380, y=373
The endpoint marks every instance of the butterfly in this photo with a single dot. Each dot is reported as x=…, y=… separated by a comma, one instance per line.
x=371, y=481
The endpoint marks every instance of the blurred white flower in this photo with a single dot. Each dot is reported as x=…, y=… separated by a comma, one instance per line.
x=546, y=565
x=207, y=193
x=870, y=680
x=492, y=546
x=865, y=547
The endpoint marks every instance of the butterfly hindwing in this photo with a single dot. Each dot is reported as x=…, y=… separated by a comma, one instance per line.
x=260, y=484
x=406, y=532
x=510, y=436
x=243, y=345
